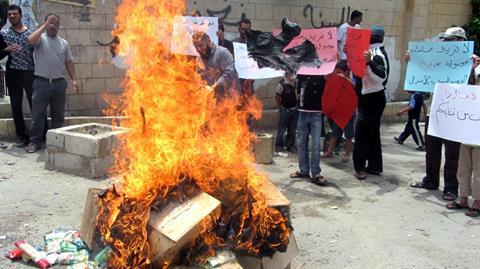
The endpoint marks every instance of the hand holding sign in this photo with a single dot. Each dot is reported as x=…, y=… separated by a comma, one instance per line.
x=358, y=41
x=325, y=41
x=455, y=113
x=339, y=100
x=438, y=62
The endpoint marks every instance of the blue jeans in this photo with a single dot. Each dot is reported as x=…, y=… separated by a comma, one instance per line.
x=287, y=120
x=309, y=123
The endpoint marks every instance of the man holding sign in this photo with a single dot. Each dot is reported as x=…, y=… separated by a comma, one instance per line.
x=433, y=144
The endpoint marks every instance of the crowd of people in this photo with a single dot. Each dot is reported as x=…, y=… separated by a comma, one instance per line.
x=300, y=118
x=38, y=60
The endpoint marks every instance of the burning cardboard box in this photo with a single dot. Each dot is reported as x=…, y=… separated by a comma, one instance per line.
x=178, y=224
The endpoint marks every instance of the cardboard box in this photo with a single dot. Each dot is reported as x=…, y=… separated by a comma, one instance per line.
x=89, y=219
x=280, y=260
x=178, y=224
x=272, y=194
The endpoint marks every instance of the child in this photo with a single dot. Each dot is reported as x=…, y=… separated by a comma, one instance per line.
x=414, y=108
x=286, y=100
x=341, y=69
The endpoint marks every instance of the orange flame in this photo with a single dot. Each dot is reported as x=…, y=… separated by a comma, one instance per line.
x=177, y=129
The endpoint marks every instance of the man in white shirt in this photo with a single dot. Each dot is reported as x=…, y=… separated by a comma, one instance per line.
x=355, y=20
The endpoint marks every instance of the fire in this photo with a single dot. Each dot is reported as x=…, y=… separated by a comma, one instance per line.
x=179, y=132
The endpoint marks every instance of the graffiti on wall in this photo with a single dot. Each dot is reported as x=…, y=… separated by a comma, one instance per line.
x=308, y=12
x=223, y=16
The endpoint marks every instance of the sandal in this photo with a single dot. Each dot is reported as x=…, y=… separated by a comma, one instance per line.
x=297, y=174
x=456, y=206
x=417, y=184
x=328, y=155
x=473, y=212
x=345, y=158
x=319, y=180
x=449, y=196
x=360, y=175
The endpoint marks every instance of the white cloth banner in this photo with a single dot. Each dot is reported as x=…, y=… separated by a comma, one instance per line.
x=247, y=67
x=184, y=27
x=455, y=113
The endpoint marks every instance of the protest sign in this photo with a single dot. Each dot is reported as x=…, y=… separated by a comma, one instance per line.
x=184, y=27
x=438, y=62
x=325, y=41
x=247, y=67
x=455, y=113
x=339, y=100
x=358, y=41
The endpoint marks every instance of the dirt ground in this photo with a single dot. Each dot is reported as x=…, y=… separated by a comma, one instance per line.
x=377, y=223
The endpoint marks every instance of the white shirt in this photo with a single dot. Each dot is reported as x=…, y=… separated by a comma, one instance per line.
x=342, y=37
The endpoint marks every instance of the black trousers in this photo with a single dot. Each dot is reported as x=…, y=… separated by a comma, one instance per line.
x=433, y=159
x=17, y=81
x=367, y=151
x=412, y=128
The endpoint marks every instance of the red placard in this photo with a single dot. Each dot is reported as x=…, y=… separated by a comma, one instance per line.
x=339, y=100
x=358, y=41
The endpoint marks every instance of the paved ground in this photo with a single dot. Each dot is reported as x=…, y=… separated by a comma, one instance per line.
x=378, y=223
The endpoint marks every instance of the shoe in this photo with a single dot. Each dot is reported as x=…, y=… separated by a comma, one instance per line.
x=32, y=148
x=319, y=180
x=449, y=196
x=361, y=175
x=400, y=142
x=22, y=142
x=279, y=149
x=421, y=148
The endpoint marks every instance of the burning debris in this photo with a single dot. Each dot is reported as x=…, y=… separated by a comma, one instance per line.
x=184, y=149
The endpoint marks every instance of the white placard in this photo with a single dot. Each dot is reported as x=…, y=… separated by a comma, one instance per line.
x=455, y=113
x=183, y=29
x=247, y=67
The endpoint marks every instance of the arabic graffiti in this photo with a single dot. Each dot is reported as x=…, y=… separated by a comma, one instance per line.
x=309, y=9
x=223, y=16
x=308, y=12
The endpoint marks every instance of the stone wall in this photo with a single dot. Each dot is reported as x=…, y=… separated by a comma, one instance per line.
x=82, y=28
x=404, y=20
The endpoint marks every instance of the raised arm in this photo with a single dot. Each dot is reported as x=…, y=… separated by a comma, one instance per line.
x=34, y=37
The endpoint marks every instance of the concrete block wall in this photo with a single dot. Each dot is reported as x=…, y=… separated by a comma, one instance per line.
x=76, y=150
x=96, y=75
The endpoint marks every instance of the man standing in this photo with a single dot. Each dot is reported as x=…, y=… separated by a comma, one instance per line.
x=52, y=57
x=310, y=121
x=216, y=66
x=245, y=84
x=245, y=25
x=221, y=38
x=433, y=145
x=355, y=20
x=19, y=72
x=367, y=151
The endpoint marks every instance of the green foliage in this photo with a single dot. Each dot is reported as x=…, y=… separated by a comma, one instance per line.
x=473, y=27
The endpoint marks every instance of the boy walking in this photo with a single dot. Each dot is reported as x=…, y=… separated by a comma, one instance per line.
x=414, y=108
